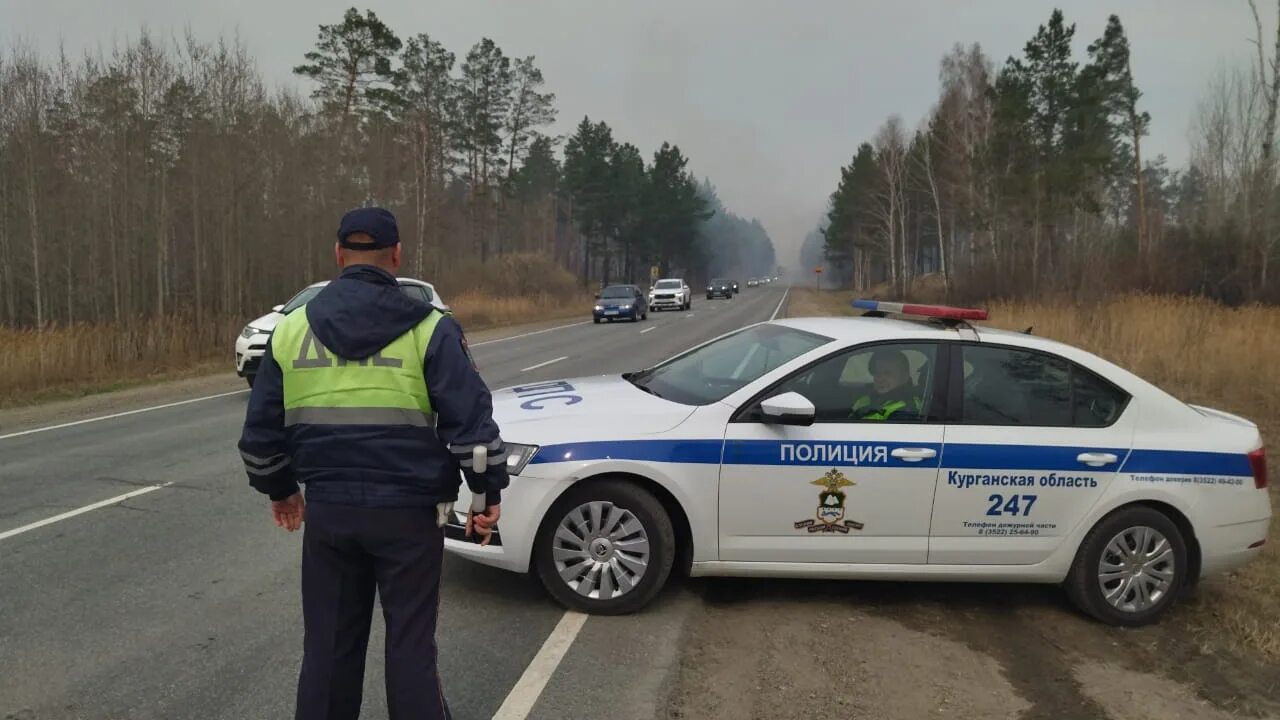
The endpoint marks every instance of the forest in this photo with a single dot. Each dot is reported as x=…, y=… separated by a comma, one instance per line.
x=167, y=178
x=1032, y=180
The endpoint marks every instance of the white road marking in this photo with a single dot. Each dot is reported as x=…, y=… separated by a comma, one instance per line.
x=689, y=315
x=525, y=694
x=648, y=330
x=544, y=364
x=121, y=414
x=80, y=511
x=780, y=303
x=530, y=334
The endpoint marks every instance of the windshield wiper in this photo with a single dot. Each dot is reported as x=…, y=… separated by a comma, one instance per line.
x=633, y=378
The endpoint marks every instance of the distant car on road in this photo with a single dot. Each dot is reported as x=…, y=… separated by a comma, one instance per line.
x=906, y=444
x=252, y=342
x=752, y=282
x=618, y=302
x=671, y=294
x=720, y=287
x=736, y=290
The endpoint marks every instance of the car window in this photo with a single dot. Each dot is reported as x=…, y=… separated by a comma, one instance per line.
x=843, y=388
x=1006, y=386
x=413, y=292
x=711, y=372
x=1094, y=401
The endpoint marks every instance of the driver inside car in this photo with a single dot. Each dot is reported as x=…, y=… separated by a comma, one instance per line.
x=892, y=394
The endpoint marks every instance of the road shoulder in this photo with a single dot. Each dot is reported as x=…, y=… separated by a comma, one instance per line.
x=27, y=417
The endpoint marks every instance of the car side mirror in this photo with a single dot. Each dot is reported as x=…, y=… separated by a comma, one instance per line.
x=790, y=408
x=277, y=308
x=597, y=296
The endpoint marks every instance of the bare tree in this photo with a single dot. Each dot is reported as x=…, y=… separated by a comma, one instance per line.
x=891, y=151
x=1268, y=80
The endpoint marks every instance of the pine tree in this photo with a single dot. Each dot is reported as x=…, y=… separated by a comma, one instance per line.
x=529, y=110
x=352, y=64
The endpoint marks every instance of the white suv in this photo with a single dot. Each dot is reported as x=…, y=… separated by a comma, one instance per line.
x=252, y=342
x=670, y=294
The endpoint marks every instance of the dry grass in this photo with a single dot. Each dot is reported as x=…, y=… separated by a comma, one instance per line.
x=1201, y=352
x=477, y=311
x=70, y=361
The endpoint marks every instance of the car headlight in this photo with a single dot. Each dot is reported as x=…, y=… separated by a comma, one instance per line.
x=518, y=456
x=249, y=331
x=599, y=307
x=625, y=307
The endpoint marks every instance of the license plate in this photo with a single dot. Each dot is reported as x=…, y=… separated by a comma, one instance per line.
x=610, y=312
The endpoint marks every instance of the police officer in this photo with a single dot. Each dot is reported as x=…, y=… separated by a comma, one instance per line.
x=891, y=392
x=370, y=400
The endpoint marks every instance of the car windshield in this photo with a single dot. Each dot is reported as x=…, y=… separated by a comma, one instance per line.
x=713, y=371
x=414, y=292
x=301, y=298
x=719, y=281
x=668, y=285
x=618, y=291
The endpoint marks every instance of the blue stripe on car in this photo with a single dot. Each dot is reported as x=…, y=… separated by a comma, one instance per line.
x=1022, y=457
x=1184, y=462
x=963, y=456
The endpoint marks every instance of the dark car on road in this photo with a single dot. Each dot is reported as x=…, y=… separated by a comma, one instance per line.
x=735, y=287
x=618, y=302
x=720, y=287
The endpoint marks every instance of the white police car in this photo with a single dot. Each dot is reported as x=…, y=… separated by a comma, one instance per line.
x=252, y=341
x=1018, y=459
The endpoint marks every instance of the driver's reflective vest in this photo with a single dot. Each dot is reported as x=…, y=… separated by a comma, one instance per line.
x=885, y=411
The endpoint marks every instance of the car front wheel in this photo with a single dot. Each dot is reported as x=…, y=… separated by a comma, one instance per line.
x=605, y=548
x=1130, y=567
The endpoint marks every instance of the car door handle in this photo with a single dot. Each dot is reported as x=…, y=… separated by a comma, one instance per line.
x=914, y=454
x=1096, y=459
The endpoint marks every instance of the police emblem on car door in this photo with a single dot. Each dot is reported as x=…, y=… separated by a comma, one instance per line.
x=831, y=505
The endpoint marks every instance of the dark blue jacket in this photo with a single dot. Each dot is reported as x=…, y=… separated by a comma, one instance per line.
x=354, y=317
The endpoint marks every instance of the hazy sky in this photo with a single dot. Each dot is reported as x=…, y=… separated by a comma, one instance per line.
x=768, y=99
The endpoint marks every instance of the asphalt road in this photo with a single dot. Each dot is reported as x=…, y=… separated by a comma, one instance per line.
x=183, y=602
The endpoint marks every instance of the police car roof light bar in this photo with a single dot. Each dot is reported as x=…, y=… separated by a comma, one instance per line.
x=942, y=312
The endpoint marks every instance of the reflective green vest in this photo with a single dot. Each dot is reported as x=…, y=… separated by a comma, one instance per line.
x=884, y=412
x=320, y=388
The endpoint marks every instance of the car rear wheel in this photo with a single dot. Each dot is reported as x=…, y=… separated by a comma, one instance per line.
x=1130, y=567
x=606, y=548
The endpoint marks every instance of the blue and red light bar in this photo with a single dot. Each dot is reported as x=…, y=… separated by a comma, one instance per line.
x=934, y=311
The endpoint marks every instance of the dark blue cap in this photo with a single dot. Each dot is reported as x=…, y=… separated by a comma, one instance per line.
x=375, y=222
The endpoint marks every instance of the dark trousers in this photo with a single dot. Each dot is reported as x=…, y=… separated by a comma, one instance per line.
x=347, y=552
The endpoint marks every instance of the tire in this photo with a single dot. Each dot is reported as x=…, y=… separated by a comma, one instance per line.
x=596, y=320
x=642, y=509
x=1085, y=587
